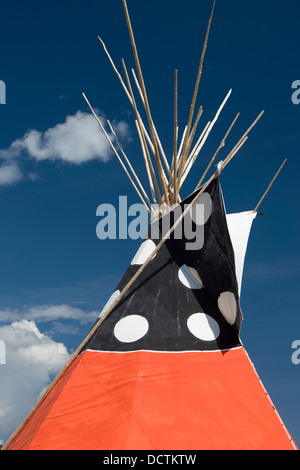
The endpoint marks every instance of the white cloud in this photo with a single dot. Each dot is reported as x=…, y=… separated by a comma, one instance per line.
x=79, y=139
x=10, y=174
x=31, y=360
x=47, y=313
x=31, y=357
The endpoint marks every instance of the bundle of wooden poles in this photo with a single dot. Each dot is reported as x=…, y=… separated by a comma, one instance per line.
x=165, y=178
x=165, y=183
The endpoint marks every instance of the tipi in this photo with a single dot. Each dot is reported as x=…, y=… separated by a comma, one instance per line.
x=164, y=366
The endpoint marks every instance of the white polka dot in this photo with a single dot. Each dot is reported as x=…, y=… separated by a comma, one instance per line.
x=203, y=326
x=189, y=277
x=227, y=306
x=109, y=302
x=202, y=210
x=146, y=248
x=131, y=328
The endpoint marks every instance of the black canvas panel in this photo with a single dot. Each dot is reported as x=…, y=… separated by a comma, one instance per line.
x=172, y=310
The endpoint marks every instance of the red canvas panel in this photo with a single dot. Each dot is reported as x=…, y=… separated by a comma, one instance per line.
x=153, y=400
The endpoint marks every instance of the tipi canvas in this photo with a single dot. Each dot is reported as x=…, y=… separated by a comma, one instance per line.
x=164, y=367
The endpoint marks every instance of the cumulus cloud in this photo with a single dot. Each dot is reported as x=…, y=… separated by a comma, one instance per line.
x=32, y=358
x=29, y=358
x=10, y=174
x=48, y=313
x=79, y=139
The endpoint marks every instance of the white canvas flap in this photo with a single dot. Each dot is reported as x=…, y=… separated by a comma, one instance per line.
x=239, y=226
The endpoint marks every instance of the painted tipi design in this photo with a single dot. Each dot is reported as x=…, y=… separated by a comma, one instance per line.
x=164, y=367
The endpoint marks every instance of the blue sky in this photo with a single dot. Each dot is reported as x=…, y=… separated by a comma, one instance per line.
x=55, y=273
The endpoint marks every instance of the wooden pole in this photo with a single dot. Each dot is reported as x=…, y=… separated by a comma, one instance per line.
x=146, y=156
x=179, y=155
x=154, y=128
x=223, y=141
x=175, y=135
x=195, y=150
x=236, y=148
x=205, y=137
x=129, y=164
x=270, y=185
x=178, y=158
x=150, y=122
x=233, y=152
x=116, y=153
x=139, y=122
x=192, y=134
x=131, y=99
x=247, y=131
x=115, y=69
x=194, y=98
x=127, y=93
